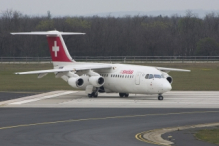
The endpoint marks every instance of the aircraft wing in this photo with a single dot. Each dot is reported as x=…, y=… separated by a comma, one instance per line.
x=43, y=71
x=171, y=69
x=76, y=68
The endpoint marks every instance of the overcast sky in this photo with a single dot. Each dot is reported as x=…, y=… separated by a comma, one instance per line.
x=86, y=7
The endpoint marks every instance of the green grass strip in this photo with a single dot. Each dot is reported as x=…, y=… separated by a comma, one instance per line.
x=203, y=77
x=209, y=135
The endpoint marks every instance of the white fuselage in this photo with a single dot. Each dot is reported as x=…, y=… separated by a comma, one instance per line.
x=100, y=77
x=122, y=78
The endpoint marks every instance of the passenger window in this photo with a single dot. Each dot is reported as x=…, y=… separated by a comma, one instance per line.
x=157, y=76
x=151, y=76
x=147, y=76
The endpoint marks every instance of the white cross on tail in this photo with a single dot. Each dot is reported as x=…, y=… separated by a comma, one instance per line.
x=55, y=48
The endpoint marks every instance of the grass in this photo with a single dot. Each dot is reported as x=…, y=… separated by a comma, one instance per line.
x=208, y=135
x=11, y=82
x=204, y=77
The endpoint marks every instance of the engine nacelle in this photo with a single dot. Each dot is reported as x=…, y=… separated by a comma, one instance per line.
x=96, y=81
x=75, y=82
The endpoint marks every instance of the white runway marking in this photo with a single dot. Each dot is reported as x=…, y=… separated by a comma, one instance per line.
x=43, y=97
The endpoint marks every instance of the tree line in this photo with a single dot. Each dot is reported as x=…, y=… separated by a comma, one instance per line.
x=109, y=36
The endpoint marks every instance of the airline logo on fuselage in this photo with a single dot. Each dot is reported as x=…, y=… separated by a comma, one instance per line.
x=127, y=71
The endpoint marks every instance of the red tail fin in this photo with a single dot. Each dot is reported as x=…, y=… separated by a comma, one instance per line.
x=58, y=49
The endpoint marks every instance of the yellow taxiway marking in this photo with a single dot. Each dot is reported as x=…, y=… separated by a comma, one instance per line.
x=140, y=137
x=105, y=118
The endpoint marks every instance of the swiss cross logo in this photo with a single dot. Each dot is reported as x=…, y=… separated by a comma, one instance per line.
x=55, y=48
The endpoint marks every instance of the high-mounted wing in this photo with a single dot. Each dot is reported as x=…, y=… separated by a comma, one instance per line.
x=43, y=71
x=73, y=68
x=171, y=69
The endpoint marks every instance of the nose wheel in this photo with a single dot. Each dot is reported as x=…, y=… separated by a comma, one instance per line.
x=160, y=97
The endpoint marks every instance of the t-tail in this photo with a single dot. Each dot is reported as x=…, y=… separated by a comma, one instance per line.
x=58, y=50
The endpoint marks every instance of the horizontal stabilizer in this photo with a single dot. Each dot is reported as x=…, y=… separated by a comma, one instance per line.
x=49, y=33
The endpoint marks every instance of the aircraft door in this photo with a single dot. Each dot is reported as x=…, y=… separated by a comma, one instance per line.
x=137, y=78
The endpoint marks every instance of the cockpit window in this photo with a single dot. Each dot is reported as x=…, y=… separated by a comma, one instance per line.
x=151, y=76
x=157, y=76
x=147, y=76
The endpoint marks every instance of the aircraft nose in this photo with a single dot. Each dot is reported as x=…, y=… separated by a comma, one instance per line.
x=167, y=87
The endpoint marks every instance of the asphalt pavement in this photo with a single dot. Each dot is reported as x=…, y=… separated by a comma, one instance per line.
x=66, y=118
x=91, y=126
x=14, y=95
x=187, y=138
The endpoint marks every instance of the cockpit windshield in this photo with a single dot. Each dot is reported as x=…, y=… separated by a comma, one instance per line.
x=157, y=76
x=151, y=76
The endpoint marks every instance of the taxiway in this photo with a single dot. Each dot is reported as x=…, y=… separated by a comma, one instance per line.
x=71, y=118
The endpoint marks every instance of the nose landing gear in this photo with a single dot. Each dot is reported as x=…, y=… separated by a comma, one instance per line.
x=160, y=97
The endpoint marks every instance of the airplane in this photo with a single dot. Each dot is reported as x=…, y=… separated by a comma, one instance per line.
x=97, y=78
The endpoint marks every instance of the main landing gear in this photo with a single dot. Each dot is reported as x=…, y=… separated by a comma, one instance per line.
x=160, y=97
x=123, y=94
x=93, y=94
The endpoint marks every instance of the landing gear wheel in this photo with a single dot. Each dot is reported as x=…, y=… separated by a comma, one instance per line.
x=95, y=94
x=123, y=94
x=160, y=97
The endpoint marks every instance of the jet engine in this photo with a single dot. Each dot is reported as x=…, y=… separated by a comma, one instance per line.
x=75, y=82
x=96, y=81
